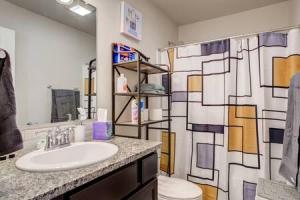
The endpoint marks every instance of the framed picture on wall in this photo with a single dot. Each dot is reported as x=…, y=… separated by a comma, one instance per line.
x=131, y=21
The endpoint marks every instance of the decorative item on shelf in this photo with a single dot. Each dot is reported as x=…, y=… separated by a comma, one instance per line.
x=102, y=129
x=123, y=53
x=122, y=84
x=145, y=115
x=142, y=105
x=131, y=21
x=156, y=114
x=134, y=112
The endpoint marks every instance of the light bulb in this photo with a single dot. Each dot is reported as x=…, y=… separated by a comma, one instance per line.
x=80, y=10
x=65, y=2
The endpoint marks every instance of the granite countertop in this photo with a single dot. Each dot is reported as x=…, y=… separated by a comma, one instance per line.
x=16, y=184
x=276, y=190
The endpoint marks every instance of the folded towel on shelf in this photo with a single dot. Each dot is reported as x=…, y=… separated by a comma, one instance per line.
x=151, y=88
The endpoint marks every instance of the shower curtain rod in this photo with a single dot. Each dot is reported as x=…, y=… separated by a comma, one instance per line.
x=232, y=37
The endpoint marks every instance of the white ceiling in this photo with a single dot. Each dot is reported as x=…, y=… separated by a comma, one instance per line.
x=57, y=12
x=189, y=11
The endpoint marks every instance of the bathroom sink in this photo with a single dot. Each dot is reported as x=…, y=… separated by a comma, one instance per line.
x=74, y=156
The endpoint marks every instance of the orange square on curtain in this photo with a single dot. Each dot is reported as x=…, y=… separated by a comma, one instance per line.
x=243, y=138
x=195, y=83
x=246, y=112
x=250, y=136
x=209, y=192
x=235, y=139
x=285, y=69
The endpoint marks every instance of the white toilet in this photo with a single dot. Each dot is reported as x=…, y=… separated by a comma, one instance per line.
x=177, y=189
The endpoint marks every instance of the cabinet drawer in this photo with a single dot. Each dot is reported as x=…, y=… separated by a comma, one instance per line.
x=113, y=187
x=148, y=192
x=149, y=167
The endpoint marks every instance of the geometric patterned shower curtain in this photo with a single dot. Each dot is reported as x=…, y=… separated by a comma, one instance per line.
x=229, y=102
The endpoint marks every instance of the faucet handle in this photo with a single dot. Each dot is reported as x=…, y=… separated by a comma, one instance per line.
x=49, y=140
x=69, y=131
x=57, y=136
x=65, y=136
x=50, y=134
x=58, y=139
x=57, y=130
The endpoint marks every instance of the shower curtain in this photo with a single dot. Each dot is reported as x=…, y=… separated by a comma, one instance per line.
x=229, y=102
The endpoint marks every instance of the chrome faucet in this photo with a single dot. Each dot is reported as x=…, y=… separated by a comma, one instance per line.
x=58, y=138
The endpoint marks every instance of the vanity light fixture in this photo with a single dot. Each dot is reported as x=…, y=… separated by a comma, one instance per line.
x=80, y=10
x=65, y=2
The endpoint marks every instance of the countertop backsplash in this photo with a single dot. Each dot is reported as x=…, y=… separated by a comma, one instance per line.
x=31, y=137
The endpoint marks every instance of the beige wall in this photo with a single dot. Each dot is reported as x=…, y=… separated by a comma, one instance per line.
x=157, y=31
x=295, y=8
x=257, y=20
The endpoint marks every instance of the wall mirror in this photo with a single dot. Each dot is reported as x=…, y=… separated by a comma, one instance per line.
x=52, y=45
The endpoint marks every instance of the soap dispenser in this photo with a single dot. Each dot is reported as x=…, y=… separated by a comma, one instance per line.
x=122, y=84
x=79, y=130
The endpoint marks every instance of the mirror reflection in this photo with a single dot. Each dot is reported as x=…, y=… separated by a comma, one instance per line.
x=52, y=46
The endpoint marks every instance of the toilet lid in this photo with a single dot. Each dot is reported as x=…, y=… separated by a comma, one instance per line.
x=177, y=188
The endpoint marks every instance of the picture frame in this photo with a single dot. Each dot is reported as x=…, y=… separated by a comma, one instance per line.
x=131, y=21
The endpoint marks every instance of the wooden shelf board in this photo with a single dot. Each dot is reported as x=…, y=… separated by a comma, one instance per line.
x=146, y=67
x=142, y=124
x=142, y=94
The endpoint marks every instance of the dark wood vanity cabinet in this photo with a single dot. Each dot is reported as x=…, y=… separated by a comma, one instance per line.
x=148, y=192
x=135, y=181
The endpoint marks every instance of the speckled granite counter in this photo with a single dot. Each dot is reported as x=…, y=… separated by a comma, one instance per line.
x=275, y=190
x=20, y=185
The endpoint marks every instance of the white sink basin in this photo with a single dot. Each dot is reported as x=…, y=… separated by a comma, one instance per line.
x=77, y=155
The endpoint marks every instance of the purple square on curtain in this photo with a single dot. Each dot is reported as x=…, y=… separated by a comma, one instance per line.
x=211, y=128
x=249, y=192
x=216, y=47
x=273, y=39
x=205, y=156
x=179, y=96
x=276, y=135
